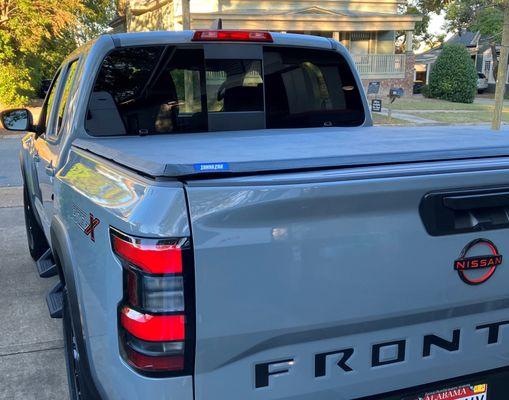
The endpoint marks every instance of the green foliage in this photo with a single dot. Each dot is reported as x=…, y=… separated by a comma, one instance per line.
x=35, y=36
x=483, y=15
x=476, y=15
x=421, y=33
x=453, y=77
x=489, y=22
x=16, y=86
x=425, y=91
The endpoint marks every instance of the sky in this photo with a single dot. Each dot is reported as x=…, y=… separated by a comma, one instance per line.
x=436, y=23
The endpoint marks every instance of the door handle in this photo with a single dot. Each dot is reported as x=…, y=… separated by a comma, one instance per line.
x=463, y=211
x=476, y=201
x=50, y=170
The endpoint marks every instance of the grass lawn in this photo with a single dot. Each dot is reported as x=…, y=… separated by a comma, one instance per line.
x=463, y=118
x=380, y=119
x=421, y=103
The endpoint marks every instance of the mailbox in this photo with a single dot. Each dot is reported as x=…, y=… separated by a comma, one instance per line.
x=396, y=93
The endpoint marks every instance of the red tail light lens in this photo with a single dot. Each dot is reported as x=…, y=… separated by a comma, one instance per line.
x=155, y=363
x=156, y=317
x=233, y=36
x=154, y=256
x=153, y=327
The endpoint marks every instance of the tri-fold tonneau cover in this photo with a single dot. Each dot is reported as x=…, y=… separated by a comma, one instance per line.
x=248, y=152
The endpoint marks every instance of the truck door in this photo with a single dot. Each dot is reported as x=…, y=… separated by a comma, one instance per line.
x=47, y=145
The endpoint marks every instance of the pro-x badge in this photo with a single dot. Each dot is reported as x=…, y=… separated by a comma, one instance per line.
x=478, y=261
x=87, y=223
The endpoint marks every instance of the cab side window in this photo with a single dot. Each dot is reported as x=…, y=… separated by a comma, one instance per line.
x=62, y=100
x=48, y=106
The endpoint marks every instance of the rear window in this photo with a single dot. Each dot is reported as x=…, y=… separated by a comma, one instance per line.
x=310, y=88
x=167, y=89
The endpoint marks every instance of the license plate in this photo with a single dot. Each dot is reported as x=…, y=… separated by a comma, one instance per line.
x=464, y=392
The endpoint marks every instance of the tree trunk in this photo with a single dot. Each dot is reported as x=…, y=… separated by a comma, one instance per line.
x=186, y=15
x=494, y=57
x=502, y=71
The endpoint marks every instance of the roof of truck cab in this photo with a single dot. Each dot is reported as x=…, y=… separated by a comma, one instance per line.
x=165, y=37
x=250, y=152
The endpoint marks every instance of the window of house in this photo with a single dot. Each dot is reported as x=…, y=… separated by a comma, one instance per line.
x=487, y=68
x=361, y=42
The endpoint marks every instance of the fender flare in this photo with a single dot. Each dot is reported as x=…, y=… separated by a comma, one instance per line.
x=62, y=254
x=26, y=186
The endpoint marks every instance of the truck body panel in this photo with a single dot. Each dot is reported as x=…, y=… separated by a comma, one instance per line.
x=90, y=187
x=262, y=151
x=317, y=267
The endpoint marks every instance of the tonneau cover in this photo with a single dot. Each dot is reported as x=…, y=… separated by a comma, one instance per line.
x=247, y=152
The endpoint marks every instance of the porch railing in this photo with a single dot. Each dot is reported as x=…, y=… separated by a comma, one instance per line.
x=380, y=65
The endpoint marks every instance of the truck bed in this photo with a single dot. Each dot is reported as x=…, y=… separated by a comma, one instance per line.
x=248, y=152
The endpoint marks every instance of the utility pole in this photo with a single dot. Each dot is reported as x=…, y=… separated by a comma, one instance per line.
x=188, y=77
x=186, y=15
x=502, y=72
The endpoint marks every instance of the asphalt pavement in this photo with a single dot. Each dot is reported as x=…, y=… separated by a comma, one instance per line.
x=32, y=364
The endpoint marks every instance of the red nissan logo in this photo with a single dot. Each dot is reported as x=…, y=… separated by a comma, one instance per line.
x=465, y=265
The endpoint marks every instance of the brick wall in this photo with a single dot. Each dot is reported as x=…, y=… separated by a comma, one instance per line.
x=406, y=83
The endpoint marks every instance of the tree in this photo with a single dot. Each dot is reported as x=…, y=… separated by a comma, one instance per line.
x=35, y=35
x=490, y=18
x=453, y=77
x=421, y=33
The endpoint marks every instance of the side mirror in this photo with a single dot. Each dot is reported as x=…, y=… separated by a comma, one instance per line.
x=19, y=119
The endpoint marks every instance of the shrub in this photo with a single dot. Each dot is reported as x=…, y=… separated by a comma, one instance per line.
x=425, y=91
x=453, y=77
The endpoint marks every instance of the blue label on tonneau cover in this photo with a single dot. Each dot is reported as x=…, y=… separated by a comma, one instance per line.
x=211, y=167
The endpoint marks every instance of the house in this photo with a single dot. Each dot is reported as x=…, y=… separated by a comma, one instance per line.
x=472, y=41
x=367, y=28
x=486, y=66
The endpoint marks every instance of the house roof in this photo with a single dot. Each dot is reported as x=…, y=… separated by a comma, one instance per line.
x=466, y=38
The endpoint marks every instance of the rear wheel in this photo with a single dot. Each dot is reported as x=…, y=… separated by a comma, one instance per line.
x=37, y=243
x=72, y=355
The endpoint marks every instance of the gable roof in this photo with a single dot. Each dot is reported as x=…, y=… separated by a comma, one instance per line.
x=466, y=38
x=315, y=10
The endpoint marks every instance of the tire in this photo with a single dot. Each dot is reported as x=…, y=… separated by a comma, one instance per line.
x=37, y=243
x=72, y=358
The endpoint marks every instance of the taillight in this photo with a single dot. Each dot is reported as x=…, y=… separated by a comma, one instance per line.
x=232, y=36
x=156, y=316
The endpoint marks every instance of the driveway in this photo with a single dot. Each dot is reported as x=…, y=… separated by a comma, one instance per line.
x=32, y=362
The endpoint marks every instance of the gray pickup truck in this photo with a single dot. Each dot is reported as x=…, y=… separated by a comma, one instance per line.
x=227, y=224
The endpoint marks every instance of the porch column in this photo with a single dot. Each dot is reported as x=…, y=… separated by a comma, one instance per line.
x=409, y=41
x=409, y=64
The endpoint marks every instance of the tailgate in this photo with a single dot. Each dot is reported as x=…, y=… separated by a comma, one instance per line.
x=328, y=285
